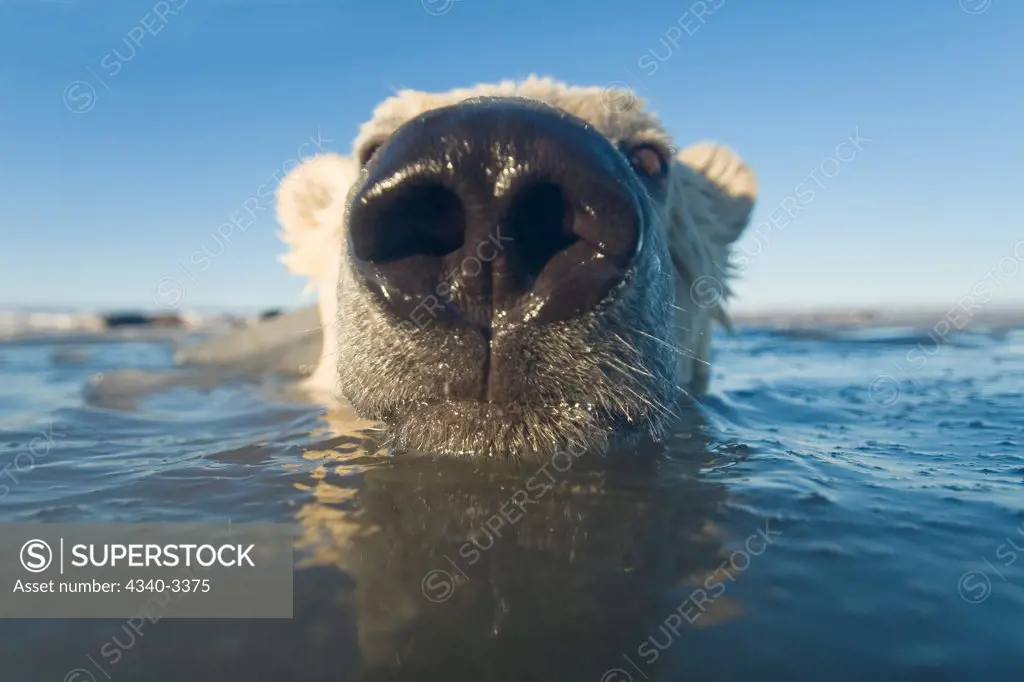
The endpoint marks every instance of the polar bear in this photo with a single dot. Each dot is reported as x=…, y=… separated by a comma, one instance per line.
x=516, y=269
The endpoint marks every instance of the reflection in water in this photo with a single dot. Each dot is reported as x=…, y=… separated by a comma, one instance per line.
x=557, y=570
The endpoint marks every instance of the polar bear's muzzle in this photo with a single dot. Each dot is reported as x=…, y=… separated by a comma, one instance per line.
x=495, y=213
x=513, y=276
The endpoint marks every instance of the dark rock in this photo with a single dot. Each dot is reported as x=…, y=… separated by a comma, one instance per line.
x=115, y=320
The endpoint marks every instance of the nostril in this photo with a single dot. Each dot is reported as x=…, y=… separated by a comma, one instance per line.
x=423, y=219
x=509, y=212
x=540, y=220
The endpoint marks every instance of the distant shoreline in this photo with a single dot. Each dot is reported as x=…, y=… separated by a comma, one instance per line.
x=955, y=317
x=28, y=320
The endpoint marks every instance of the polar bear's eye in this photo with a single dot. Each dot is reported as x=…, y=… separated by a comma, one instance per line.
x=648, y=161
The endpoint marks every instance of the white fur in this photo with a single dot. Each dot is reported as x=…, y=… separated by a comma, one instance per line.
x=311, y=208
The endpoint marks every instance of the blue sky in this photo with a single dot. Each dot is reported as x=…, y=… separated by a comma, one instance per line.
x=99, y=207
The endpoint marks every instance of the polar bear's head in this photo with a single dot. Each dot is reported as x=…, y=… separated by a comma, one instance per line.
x=518, y=268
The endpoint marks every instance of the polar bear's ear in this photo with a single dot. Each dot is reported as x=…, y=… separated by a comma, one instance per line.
x=711, y=197
x=727, y=185
x=311, y=209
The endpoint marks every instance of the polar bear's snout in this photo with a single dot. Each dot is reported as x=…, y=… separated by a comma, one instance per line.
x=509, y=269
x=497, y=212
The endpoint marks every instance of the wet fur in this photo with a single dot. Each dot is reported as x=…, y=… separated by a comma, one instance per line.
x=614, y=373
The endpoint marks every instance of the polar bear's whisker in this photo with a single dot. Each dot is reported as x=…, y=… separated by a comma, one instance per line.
x=627, y=369
x=674, y=349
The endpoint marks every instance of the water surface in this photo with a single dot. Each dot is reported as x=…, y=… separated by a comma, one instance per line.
x=836, y=509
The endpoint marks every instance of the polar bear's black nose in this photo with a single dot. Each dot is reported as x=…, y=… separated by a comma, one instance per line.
x=495, y=210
